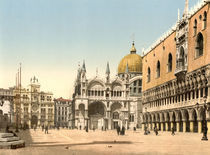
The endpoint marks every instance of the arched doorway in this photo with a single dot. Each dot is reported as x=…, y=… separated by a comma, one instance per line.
x=187, y=122
x=34, y=121
x=115, y=115
x=97, y=113
x=195, y=122
x=173, y=121
x=181, y=123
x=164, y=125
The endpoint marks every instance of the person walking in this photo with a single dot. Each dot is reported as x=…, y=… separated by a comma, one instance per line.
x=172, y=131
x=46, y=129
x=156, y=131
x=118, y=130
x=123, y=130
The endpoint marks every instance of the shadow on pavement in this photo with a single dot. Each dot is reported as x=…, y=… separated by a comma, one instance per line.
x=25, y=135
x=78, y=144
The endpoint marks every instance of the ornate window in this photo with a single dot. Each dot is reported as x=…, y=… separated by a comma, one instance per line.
x=131, y=118
x=158, y=69
x=140, y=82
x=199, y=45
x=148, y=74
x=195, y=27
x=169, y=62
x=115, y=115
x=204, y=20
x=181, y=60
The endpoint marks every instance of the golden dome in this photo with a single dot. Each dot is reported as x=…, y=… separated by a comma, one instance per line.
x=133, y=60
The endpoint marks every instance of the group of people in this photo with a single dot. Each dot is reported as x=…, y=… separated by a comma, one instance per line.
x=120, y=131
x=146, y=131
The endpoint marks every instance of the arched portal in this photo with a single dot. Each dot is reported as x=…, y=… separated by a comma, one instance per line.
x=97, y=114
x=195, y=122
x=164, y=125
x=187, y=122
x=174, y=121
x=115, y=115
x=181, y=123
x=34, y=120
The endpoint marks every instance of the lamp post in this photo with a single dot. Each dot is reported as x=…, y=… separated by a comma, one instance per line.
x=205, y=107
x=204, y=121
x=145, y=128
x=87, y=126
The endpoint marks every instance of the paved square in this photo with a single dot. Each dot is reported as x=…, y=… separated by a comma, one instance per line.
x=76, y=142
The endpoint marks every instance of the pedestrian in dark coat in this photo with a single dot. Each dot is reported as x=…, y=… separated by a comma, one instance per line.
x=123, y=130
x=118, y=130
x=173, y=131
x=46, y=129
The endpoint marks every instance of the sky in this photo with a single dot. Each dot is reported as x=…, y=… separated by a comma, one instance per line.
x=51, y=37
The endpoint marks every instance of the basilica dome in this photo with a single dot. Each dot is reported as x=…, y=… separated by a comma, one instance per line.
x=133, y=60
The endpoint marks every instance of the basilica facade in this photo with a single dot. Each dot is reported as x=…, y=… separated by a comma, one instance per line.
x=176, y=75
x=105, y=103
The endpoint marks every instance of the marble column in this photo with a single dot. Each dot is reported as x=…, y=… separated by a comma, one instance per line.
x=166, y=126
x=177, y=127
x=153, y=125
x=109, y=120
x=184, y=126
x=161, y=126
x=191, y=126
x=199, y=127
x=157, y=126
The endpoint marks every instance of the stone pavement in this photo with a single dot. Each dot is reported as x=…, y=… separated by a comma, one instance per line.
x=78, y=142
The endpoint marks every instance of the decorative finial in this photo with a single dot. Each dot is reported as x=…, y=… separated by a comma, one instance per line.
x=83, y=66
x=178, y=17
x=133, y=49
x=107, y=69
x=96, y=71
x=186, y=8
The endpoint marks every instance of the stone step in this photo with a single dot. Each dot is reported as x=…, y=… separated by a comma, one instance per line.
x=4, y=135
x=9, y=139
x=12, y=145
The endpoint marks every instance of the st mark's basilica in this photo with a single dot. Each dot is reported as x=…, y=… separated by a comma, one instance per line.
x=105, y=103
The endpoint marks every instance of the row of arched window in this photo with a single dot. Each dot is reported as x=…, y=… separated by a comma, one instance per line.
x=194, y=94
x=169, y=68
x=204, y=22
x=199, y=39
x=198, y=52
x=101, y=93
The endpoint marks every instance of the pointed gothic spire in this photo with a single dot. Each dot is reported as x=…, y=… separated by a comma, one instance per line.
x=83, y=66
x=127, y=69
x=178, y=17
x=107, y=69
x=97, y=72
x=186, y=8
